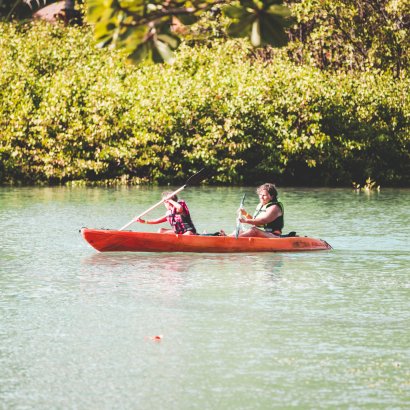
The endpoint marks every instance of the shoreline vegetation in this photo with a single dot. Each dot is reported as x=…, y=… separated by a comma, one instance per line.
x=72, y=114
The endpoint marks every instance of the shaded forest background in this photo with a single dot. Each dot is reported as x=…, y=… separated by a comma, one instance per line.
x=331, y=108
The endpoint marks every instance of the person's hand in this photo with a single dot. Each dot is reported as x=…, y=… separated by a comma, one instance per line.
x=169, y=199
x=141, y=221
x=241, y=211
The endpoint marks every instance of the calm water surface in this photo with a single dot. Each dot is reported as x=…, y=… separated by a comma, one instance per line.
x=251, y=331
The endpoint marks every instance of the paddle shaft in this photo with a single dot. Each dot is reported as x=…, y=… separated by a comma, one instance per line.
x=238, y=223
x=152, y=207
x=197, y=177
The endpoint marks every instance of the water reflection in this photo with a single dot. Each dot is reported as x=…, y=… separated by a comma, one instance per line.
x=181, y=262
x=185, y=269
x=156, y=261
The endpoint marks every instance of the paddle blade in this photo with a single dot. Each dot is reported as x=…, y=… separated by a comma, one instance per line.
x=197, y=178
x=238, y=227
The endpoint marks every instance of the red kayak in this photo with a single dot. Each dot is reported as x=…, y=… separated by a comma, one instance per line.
x=105, y=240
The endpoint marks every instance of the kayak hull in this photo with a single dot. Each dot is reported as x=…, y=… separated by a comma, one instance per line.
x=104, y=240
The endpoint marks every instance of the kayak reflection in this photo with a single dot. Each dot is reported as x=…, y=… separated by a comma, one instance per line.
x=187, y=264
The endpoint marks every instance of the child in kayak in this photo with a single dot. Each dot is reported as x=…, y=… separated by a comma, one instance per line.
x=177, y=215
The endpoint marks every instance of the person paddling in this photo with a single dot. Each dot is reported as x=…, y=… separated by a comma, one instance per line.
x=268, y=219
x=177, y=215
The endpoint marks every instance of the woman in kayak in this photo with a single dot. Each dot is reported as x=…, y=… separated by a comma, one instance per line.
x=268, y=219
x=177, y=215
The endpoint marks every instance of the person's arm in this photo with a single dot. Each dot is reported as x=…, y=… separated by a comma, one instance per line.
x=270, y=215
x=153, y=222
x=178, y=207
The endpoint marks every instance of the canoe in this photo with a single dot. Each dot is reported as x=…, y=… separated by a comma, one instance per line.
x=105, y=240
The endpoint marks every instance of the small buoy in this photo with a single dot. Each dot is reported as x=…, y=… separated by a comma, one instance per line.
x=156, y=338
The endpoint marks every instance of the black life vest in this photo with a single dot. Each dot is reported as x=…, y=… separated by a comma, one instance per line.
x=277, y=224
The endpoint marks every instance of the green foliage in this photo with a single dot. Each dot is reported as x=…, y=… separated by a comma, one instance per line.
x=146, y=29
x=71, y=112
x=265, y=21
x=352, y=34
x=368, y=186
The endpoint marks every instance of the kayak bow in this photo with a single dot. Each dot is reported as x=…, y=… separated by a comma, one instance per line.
x=105, y=240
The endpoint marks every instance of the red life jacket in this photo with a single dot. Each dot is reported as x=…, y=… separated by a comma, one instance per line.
x=182, y=222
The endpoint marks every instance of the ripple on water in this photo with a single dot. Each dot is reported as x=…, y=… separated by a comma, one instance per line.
x=308, y=330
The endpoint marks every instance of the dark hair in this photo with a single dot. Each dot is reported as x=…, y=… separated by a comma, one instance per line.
x=270, y=188
x=168, y=193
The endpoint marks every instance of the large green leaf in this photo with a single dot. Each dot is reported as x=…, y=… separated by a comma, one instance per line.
x=243, y=27
x=256, y=38
x=251, y=4
x=141, y=53
x=272, y=30
x=269, y=3
x=137, y=7
x=131, y=36
x=280, y=11
x=188, y=19
x=263, y=23
x=165, y=34
x=126, y=23
x=162, y=52
x=171, y=40
x=98, y=10
x=234, y=12
x=157, y=47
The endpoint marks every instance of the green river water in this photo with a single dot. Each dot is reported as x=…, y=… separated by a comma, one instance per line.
x=318, y=330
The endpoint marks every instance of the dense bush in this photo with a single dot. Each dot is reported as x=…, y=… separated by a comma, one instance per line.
x=352, y=34
x=71, y=112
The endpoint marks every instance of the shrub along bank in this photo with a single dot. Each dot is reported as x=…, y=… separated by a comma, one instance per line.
x=71, y=112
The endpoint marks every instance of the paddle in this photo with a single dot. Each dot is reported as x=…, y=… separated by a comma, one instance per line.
x=238, y=222
x=194, y=179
